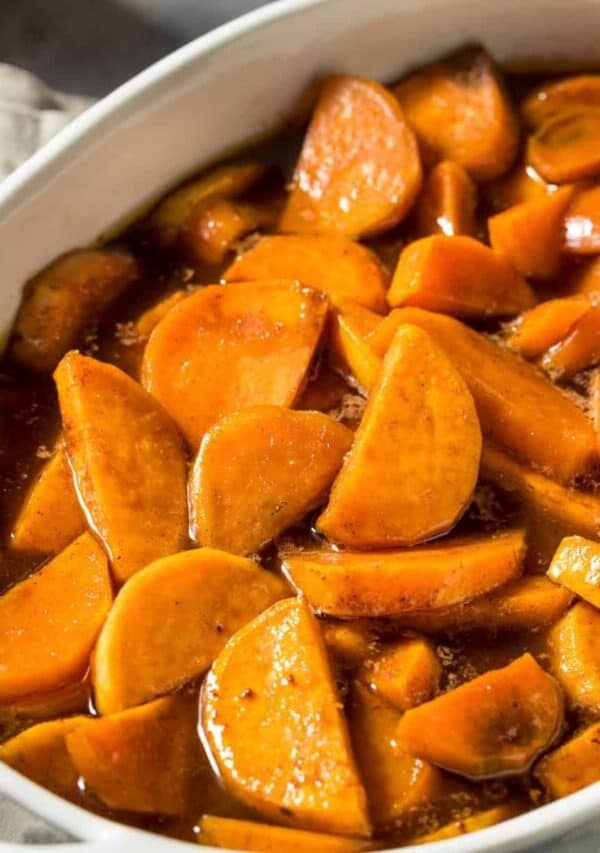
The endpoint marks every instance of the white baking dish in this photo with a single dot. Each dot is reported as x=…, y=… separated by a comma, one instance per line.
x=219, y=91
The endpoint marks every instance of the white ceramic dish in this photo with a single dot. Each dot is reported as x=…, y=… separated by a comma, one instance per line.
x=219, y=91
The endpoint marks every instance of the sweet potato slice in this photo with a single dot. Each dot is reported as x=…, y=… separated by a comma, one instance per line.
x=529, y=235
x=579, y=350
x=359, y=170
x=574, y=765
x=69, y=699
x=264, y=838
x=460, y=112
x=61, y=300
x=473, y=823
x=448, y=202
x=49, y=622
x=141, y=760
x=50, y=517
x=518, y=407
x=545, y=325
x=565, y=148
x=184, y=609
x=259, y=471
x=345, y=271
x=273, y=680
x=349, y=352
x=388, y=583
x=128, y=462
x=519, y=185
x=349, y=643
x=553, y=99
x=576, y=565
x=459, y=276
x=575, y=655
x=582, y=222
x=594, y=400
x=519, y=715
x=405, y=674
x=226, y=348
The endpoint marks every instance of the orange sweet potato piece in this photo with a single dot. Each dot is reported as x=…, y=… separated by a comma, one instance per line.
x=594, y=400
x=143, y=759
x=359, y=170
x=519, y=715
x=579, y=350
x=349, y=643
x=259, y=471
x=584, y=278
x=582, y=222
x=519, y=185
x=518, y=407
x=574, y=765
x=128, y=462
x=575, y=655
x=130, y=358
x=226, y=348
x=537, y=330
x=565, y=147
x=71, y=698
x=49, y=622
x=420, y=404
x=61, y=300
x=558, y=97
x=265, y=838
x=529, y=235
x=459, y=276
x=50, y=516
x=405, y=674
x=184, y=609
x=345, y=271
x=273, y=678
x=448, y=202
x=388, y=583
x=576, y=565
x=350, y=353
x=213, y=232
x=473, y=823
x=459, y=111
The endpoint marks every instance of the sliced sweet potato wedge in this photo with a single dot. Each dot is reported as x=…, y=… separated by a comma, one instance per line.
x=128, y=462
x=575, y=655
x=273, y=679
x=519, y=715
x=579, y=350
x=582, y=222
x=529, y=235
x=349, y=643
x=518, y=407
x=388, y=583
x=61, y=300
x=226, y=348
x=565, y=147
x=537, y=330
x=459, y=276
x=344, y=270
x=460, y=112
x=552, y=99
x=576, y=565
x=519, y=185
x=473, y=823
x=594, y=400
x=213, y=232
x=72, y=698
x=259, y=471
x=49, y=622
x=50, y=517
x=147, y=322
x=448, y=202
x=349, y=352
x=246, y=835
x=574, y=765
x=199, y=599
x=359, y=170
x=405, y=674
x=141, y=760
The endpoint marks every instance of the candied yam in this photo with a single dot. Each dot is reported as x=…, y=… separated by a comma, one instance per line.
x=566, y=147
x=405, y=674
x=273, y=722
x=213, y=232
x=557, y=97
x=574, y=765
x=128, y=462
x=529, y=235
x=594, y=400
x=537, y=330
x=71, y=698
x=574, y=644
x=169, y=622
x=420, y=404
x=50, y=516
x=519, y=185
x=576, y=565
x=359, y=170
x=345, y=271
x=387, y=583
x=143, y=759
x=472, y=823
x=582, y=222
x=579, y=350
x=49, y=622
x=226, y=348
x=349, y=643
x=519, y=715
x=459, y=276
x=584, y=278
x=448, y=202
x=518, y=407
x=349, y=351
x=259, y=471
x=147, y=322
x=59, y=302
x=460, y=112
x=265, y=838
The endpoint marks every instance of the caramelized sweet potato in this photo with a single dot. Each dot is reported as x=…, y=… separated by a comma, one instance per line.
x=558, y=97
x=273, y=679
x=359, y=170
x=565, y=147
x=170, y=621
x=529, y=235
x=264, y=838
x=519, y=715
x=259, y=471
x=460, y=112
x=349, y=643
x=594, y=400
x=579, y=350
x=128, y=462
x=584, y=278
x=574, y=655
x=448, y=202
x=345, y=271
x=71, y=698
x=50, y=516
x=405, y=674
x=350, y=353
x=388, y=583
x=574, y=765
x=49, y=622
x=459, y=276
x=519, y=185
x=576, y=565
x=518, y=407
x=582, y=222
x=472, y=823
x=548, y=323
x=226, y=348
x=421, y=404
x=59, y=302
x=213, y=232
